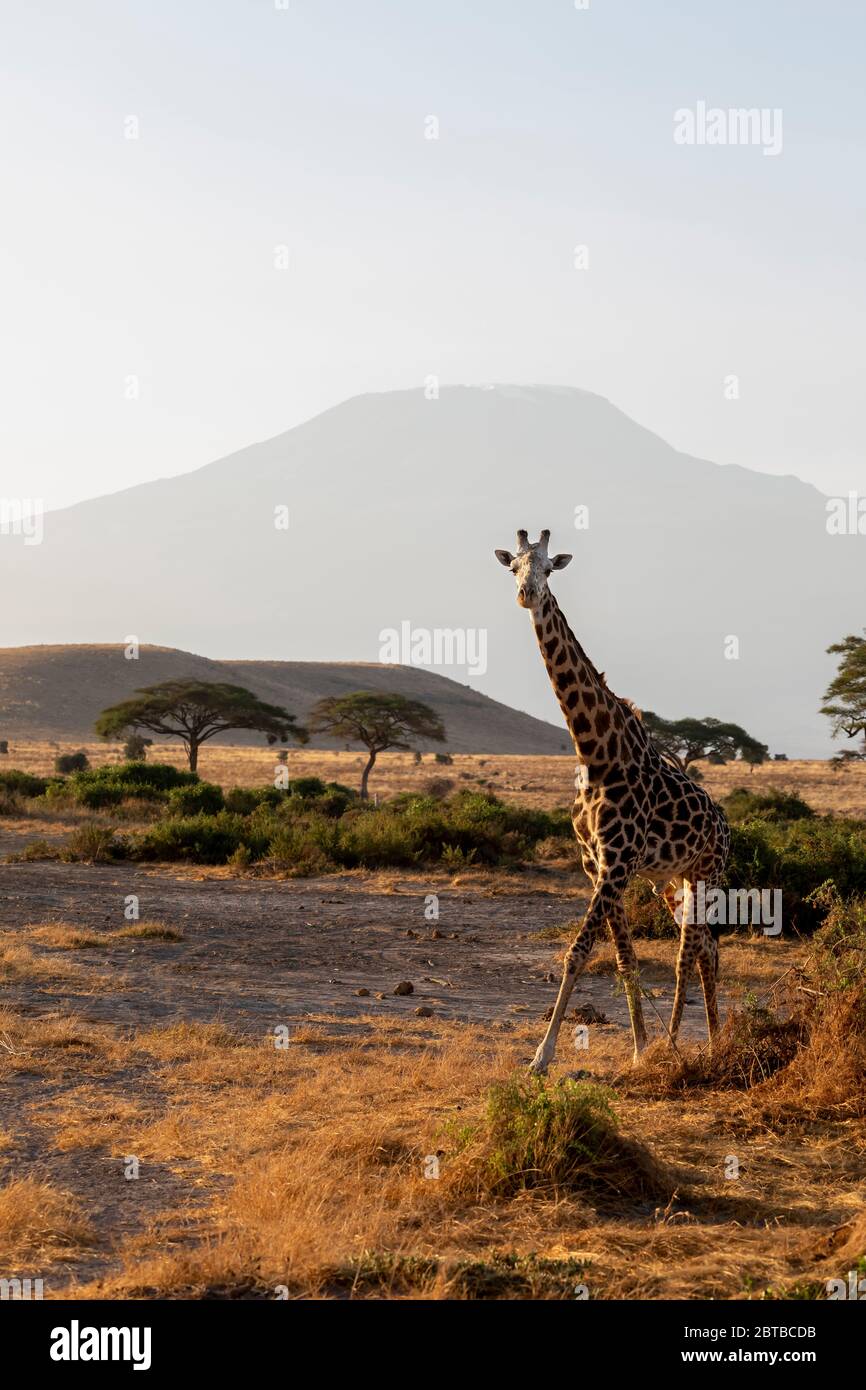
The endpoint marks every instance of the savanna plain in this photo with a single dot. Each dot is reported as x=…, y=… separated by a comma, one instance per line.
x=262, y=1046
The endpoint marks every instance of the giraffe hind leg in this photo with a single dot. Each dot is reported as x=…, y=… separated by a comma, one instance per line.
x=629, y=973
x=698, y=947
x=691, y=934
x=708, y=970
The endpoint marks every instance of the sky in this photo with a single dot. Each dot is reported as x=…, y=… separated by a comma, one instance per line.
x=224, y=216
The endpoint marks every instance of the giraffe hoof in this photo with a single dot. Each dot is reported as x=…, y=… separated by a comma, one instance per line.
x=539, y=1064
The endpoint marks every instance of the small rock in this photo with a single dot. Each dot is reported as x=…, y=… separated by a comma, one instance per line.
x=423, y=1012
x=379, y=994
x=410, y=932
x=404, y=987
x=454, y=936
x=436, y=934
x=362, y=992
x=584, y=1013
x=588, y=1013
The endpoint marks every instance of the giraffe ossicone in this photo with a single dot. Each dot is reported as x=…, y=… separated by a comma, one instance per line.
x=636, y=813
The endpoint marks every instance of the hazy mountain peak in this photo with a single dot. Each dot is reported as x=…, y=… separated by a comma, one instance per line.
x=391, y=505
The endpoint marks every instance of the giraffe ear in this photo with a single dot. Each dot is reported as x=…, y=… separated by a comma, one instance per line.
x=504, y=557
x=559, y=562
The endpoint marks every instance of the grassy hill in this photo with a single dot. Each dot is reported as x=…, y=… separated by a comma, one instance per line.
x=56, y=692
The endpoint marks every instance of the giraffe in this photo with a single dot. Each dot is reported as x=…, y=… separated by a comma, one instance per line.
x=636, y=813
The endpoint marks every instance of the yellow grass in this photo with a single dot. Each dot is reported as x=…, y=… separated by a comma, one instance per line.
x=38, y=1222
x=63, y=936
x=147, y=931
x=534, y=781
x=304, y=1168
x=18, y=962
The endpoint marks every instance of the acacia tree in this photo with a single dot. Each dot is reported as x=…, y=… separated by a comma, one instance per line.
x=377, y=721
x=195, y=711
x=845, y=696
x=689, y=739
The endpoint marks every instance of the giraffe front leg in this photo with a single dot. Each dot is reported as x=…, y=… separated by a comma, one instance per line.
x=576, y=959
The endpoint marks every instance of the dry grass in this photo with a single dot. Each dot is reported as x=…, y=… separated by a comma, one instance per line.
x=54, y=1045
x=63, y=936
x=38, y=1222
x=827, y=1077
x=546, y=781
x=86, y=1117
x=18, y=962
x=310, y=1166
x=147, y=931
x=305, y=1167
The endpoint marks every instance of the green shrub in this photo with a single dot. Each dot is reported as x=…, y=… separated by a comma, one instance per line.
x=115, y=782
x=97, y=844
x=71, y=762
x=335, y=799
x=135, y=748
x=309, y=845
x=306, y=787
x=647, y=911
x=774, y=805
x=160, y=777
x=303, y=794
x=554, y=1139
x=34, y=852
x=242, y=801
x=24, y=783
x=798, y=857
x=203, y=798
x=840, y=945
x=333, y=829
x=201, y=839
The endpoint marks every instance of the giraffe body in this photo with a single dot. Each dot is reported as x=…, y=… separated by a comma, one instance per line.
x=636, y=813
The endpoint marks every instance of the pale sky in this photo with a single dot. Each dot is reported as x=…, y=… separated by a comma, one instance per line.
x=258, y=127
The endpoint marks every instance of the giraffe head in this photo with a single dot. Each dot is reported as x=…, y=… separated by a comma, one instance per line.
x=531, y=566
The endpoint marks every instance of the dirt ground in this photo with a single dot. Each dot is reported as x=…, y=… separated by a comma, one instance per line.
x=256, y=953
x=171, y=1051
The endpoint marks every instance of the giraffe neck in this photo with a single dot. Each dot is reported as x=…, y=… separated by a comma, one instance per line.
x=595, y=717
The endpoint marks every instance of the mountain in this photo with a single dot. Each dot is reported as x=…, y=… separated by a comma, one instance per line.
x=395, y=504
x=57, y=692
